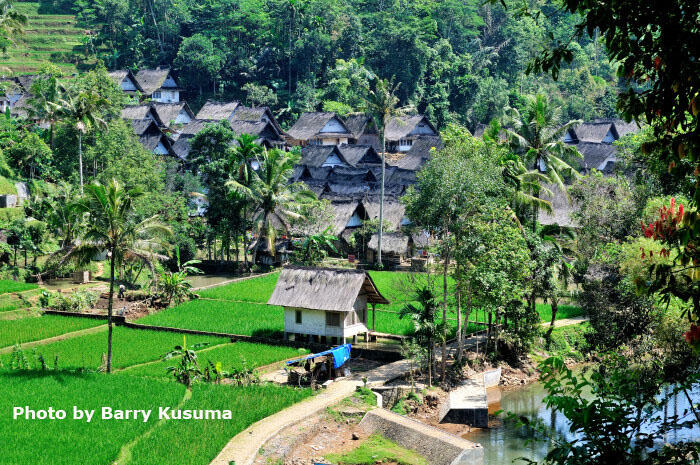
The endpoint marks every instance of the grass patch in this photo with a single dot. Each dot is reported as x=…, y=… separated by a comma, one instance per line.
x=570, y=341
x=563, y=312
x=377, y=449
x=130, y=347
x=232, y=356
x=68, y=442
x=250, y=290
x=37, y=328
x=8, y=285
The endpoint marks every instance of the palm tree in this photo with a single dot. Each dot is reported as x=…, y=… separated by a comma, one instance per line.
x=537, y=137
x=84, y=110
x=12, y=23
x=382, y=104
x=274, y=196
x=44, y=104
x=427, y=330
x=112, y=225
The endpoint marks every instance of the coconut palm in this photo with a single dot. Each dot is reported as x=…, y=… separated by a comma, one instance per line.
x=12, y=23
x=84, y=110
x=537, y=137
x=274, y=197
x=382, y=105
x=112, y=225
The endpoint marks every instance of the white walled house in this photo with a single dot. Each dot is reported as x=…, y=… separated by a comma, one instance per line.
x=326, y=305
x=159, y=85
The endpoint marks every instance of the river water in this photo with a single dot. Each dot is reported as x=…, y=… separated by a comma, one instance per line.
x=507, y=443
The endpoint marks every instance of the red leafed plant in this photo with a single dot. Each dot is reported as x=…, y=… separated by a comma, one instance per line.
x=674, y=229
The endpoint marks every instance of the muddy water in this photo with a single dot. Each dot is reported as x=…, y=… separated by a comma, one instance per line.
x=504, y=444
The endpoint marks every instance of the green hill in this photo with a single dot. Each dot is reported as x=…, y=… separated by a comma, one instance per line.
x=48, y=37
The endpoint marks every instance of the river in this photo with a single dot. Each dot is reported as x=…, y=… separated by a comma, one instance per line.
x=507, y=443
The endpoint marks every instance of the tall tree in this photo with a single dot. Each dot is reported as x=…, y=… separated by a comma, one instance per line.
x=84, y=110
x=537, y=137
x=382, y=104
x=112, y=226
x=275, y=198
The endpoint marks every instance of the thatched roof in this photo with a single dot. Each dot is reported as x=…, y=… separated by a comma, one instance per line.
x=400, y=127
x=26, y=81
x=343, y=211
x=595, y=154
x=561, y=207
x=214, y=110
x=263, y=129
x=327, y=289
x=360, y=154
x=593, y=131
x=141, y=126
x=309, y=125
x=137, y=112
x=419, y=153
x=169, y=111
x=394, y=212
x=395, y=242
x=119, y=75
x=181, y=147
x=351, y=175
x=193, y=127
x=21, y=106
x=623, y=128
x=151, y=80
x=360, y=124
x=316, y=155
x=397, y=176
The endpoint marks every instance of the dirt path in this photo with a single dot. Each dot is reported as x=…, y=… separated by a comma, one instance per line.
x=567, y=321
x=60, y=337
x=244, y=447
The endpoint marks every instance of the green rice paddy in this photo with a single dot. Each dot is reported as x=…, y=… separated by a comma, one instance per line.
x=67, y=442
x=8, y=285
x=43, y=327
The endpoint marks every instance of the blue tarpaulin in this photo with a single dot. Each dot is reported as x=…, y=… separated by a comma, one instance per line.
x=341, y=354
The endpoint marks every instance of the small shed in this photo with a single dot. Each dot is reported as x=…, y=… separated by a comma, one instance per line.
x=326, y=305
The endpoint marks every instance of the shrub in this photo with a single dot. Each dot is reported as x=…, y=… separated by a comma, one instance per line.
x=76, y=302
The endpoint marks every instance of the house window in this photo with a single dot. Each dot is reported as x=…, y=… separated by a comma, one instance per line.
x=406, y=142
x=156, y=94
x=315, y=141
x=332, y=319
x=298, y=317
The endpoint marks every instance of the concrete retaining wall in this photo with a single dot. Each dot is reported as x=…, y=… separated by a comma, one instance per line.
x=467, y=405
x=437, y=446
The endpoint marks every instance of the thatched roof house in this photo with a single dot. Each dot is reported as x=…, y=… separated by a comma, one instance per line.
x=419, y=153
x=126, y=80
x=322, y=156
x=141, y=112
x=402, y=131
x=173, y=113
x=319, y=128
x=562, y=208
x=360, y=154
x=159, y=85
x=151, y=137
x=395, y=243
x=214, y=110
x=322, y=303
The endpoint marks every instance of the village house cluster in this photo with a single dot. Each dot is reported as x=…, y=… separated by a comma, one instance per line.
x=341, y=156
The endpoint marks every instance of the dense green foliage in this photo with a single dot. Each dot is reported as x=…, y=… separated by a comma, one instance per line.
x=7, y=286
x=456, y=61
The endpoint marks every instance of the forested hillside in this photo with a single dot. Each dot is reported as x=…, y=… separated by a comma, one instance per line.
x=456, y=60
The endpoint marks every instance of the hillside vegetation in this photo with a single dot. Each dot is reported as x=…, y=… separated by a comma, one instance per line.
x=54, y=38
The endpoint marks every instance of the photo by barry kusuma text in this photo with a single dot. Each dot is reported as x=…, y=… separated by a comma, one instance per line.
x=110, y=413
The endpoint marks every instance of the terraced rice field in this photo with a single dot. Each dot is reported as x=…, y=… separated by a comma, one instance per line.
x=8, y=285
x=48, y=37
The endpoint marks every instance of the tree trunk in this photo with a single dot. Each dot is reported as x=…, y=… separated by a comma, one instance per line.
x=80, y=159
x=444, y=307
x=109, y=311
x=555, y=307
x=381, y=200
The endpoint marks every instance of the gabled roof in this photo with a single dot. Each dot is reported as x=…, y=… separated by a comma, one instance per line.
x=594, y=154
x=310, y=125
x=343, y=210
x=561, y=208
x=26, y=81
x=394, y=212
x=151, y=80
x=360, y=154
x=623, y=128
x=394, y=242
x=150, y=135
x=168, y=112
x=181, y=148
x=419, y=153
x=316, y=155
x=215, y=110
x=263, y=129
x=360, y=124
x=593, y=132
x=141, y=126
x=193, y=127
x=256, y=114
x=400, y=127
x=119, y=75
x=327, y=289
x=137, y=112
